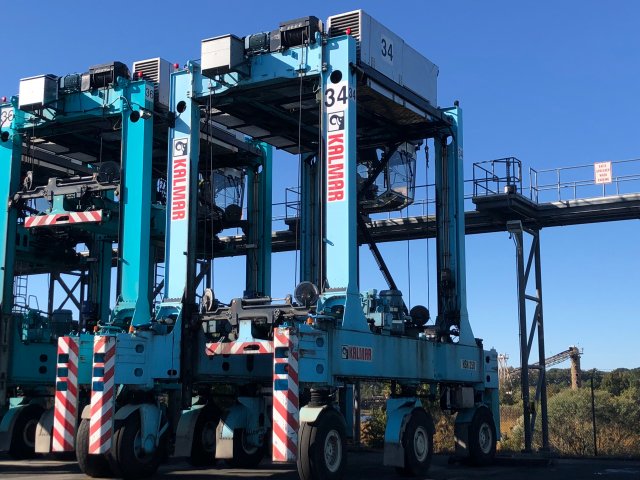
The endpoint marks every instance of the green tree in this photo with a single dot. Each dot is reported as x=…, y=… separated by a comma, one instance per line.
x=616, y=382
x=571, y=428
x=373, y=428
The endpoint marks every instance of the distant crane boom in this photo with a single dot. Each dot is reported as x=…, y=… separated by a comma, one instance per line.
x=559, y=357
x=573, y=353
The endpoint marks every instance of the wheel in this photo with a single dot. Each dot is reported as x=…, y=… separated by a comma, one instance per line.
x=23, y=436
x=322, y=453
x=127, y=457
x=91, y=465
x=203, y=448
x=417, y=441
x=244, y=454
x=482, y=437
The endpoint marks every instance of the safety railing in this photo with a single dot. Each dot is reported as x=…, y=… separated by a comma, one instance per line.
x=423, y=205
x=579, y=182
x=501, y=176
x=492, y=177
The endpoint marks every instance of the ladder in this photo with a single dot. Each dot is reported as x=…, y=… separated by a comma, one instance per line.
x=20, y=301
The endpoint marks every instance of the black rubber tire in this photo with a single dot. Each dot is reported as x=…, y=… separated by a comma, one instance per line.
x=244, y=457
x=482, y=437
x=312, y=441
x=23, y=435
x=125, y=461
x=304, y=467
x=203, y=453
x=92, y=465
x=417, y=441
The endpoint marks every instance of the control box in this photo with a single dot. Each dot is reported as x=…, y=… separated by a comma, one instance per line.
x=220, y=55
x=37, y=92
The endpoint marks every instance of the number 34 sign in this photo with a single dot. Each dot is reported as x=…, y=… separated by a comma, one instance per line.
x=337, y=96
x=386, y=49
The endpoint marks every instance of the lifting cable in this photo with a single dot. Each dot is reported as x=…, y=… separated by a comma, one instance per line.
x=212, y=189
x=413, y=174
x=408, y=258
x=100, y=154
x=30, y=150
x=426, y=181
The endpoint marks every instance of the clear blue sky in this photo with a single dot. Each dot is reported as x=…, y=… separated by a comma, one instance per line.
x=553, y=83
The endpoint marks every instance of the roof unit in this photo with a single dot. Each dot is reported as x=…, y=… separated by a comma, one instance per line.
x=387, y=53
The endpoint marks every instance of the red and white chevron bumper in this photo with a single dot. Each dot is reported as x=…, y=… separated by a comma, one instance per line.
x=102, y=395
x=239, y=348
x=66, y=399
x=286, y=406
x=92, y=216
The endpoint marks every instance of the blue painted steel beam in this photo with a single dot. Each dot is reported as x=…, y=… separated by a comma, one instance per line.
x=100, y=275
x=135, y=236
x=259, y=199
x=449, y=178
x=267, y=69
x=123, y=96
x=10, y=157
x=339, y=165
x=310, y=224
x=182, y=198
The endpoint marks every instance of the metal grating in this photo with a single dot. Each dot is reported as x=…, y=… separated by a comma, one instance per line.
x=339, y=24
x=150, y=71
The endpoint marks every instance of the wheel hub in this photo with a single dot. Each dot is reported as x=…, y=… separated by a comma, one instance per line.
x=421, y=444
x=485, y=438
x=333, y=451
x=138, y=448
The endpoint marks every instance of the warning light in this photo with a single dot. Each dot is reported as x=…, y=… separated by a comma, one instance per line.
x=140, y=74
x=176, y=66
x=348, y=31
x=4, y=99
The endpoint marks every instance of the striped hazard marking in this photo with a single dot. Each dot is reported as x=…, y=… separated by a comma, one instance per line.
x=286, y=406
x=63, y=219
x=66, y=400
x=102, y=394
x=239, y=348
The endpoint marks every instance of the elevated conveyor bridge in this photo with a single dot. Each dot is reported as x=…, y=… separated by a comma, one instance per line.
x=495, y=195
